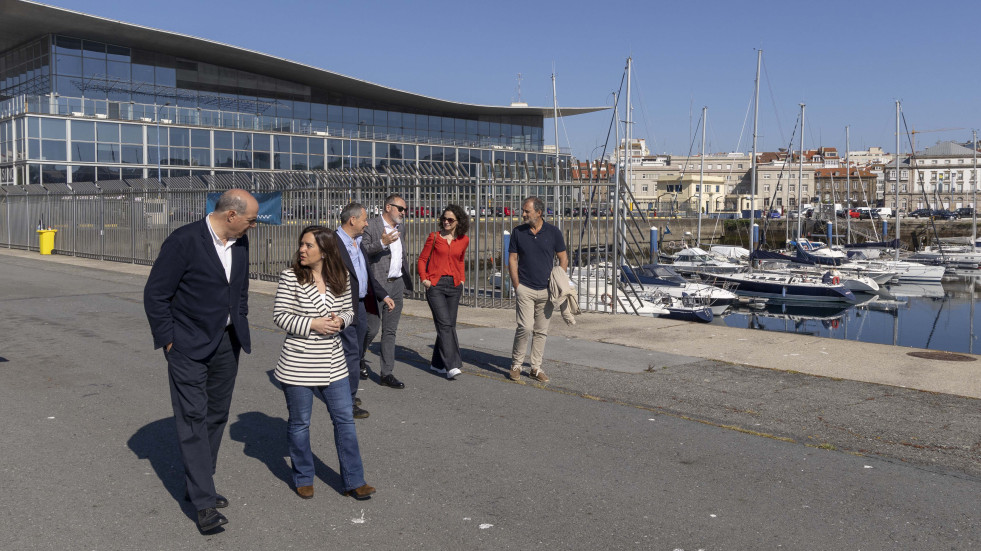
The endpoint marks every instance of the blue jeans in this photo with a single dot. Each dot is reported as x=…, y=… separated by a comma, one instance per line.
x=299, y=401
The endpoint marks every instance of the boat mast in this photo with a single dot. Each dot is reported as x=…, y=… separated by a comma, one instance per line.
x=848, y=192
x=974, y=196
x=800, y=175
x=756, y=118
x=701, y=178
x=897, y=181
x=616, y=193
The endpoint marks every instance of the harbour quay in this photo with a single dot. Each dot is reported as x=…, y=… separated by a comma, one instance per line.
x=652, y=434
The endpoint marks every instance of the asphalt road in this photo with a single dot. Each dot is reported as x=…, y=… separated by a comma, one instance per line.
x=625, y=449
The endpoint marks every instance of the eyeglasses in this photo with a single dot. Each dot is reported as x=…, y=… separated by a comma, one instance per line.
x=399, y=207
x=451, y=220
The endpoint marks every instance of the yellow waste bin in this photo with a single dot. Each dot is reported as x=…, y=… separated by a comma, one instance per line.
x=47, y=238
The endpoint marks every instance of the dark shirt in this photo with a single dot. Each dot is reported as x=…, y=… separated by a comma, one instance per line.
x=536, y=253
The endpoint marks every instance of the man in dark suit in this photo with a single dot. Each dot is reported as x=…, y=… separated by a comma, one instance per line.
x=388, y=263
x=196, y=300
x=354, y=219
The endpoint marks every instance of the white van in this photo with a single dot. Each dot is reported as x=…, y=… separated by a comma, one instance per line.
x=884, y=212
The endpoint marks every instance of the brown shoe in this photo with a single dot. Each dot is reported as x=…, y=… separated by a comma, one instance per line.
x=515, y=374
x=540, y=376
x=364, y=492
x=306, y=492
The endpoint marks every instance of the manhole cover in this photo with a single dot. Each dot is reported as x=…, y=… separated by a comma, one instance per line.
x=945, y=356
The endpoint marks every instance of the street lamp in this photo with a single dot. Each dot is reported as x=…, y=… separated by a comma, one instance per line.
x=156, y=115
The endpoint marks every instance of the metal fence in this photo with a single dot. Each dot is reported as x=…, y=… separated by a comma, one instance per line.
x=128, y=220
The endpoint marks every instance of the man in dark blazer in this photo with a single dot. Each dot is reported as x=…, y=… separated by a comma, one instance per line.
x=364, y=287
x=196, y=300
x=388, y=263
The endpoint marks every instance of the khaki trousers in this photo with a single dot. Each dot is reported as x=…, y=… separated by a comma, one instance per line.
x=534, y=311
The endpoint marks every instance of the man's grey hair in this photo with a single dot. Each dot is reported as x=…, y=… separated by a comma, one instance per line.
x=231, y=201
x=353, y=210
x=536, y=203
x=389, y=200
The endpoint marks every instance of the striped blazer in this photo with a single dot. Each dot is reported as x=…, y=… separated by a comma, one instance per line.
x=309, y=358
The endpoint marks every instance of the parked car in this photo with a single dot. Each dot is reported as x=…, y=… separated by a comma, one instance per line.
x=423, y=211
x=921, y=213
x=944, y=214
x=965, y=212
x=774, y=214
x=502, y=211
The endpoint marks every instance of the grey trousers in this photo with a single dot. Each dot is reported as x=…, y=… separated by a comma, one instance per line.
x=388, y=322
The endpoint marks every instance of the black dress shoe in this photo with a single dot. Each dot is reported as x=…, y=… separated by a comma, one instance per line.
x=360, y=413
x=357, y=401
x=220, y=501
x=364, y=373
x=391, y=382
x=209, y=519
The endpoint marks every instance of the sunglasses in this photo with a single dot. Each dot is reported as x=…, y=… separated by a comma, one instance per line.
x=399, y=207
x=449, y=219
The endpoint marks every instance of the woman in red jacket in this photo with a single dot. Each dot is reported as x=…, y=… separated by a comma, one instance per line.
x=441, y=269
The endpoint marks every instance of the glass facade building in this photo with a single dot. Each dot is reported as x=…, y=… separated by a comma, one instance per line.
x=82, y=108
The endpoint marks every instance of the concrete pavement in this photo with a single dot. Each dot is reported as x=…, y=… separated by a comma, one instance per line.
x=653, y=434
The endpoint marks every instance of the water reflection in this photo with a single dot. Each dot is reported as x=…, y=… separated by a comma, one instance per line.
x=933, y=316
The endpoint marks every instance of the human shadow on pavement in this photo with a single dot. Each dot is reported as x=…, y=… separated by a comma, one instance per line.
x=486, y=361
x=403, y=355
x=264, y=438
x=157, y=443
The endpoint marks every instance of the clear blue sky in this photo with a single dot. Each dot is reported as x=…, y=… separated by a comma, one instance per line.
x=848, y=61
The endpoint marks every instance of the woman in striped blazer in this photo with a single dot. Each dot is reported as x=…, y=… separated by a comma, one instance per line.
x=313, y=303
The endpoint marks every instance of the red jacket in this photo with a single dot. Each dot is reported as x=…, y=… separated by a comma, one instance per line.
x=443, y=258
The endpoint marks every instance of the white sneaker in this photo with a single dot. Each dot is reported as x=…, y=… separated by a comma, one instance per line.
x=453, y=373
x=437, y=370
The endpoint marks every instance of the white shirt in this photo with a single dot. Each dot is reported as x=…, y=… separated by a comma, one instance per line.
x=224, y=251
x=395, y=268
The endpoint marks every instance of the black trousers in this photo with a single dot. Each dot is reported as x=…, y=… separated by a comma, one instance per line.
x=444, y=301
x=201, y=394
x=352, y=339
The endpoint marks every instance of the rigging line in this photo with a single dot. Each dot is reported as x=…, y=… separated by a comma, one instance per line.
x=643, y=108
x=773, y=100
x=609, y=132
x=912, y=163
x=786, y=160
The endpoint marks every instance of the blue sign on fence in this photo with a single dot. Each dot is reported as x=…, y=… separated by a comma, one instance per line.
x=270, y=206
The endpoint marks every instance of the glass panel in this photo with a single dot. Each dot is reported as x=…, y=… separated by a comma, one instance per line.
x=132, y=154
x=223, y=140
x=334, y=147
x=299, y=162
x=94, y=50
x=129, y=133
x=165, y=76
x=54, y=174
x=316, y=162
x=83, y=173
x=83, y=131
x=66, y=44
x=243, y=159
x=200, y=157
x=223, y=158
x=299, y=145
x=107, y=153
x=117, y=53
x=68, y=65
x=180, y=156
x=261, y=142
x=142, y=73
x=107, y=132
x=53, y=150
x=282, y=144
x=200, y=138
x=316, y=146
x=243, y=141
x=83, y=152
x=364, y=149
x=281, y=161
x=180, y=137
x=132, y=173
x=94, y=68
x=151, y=135
x=260, y=159
x=53, y=128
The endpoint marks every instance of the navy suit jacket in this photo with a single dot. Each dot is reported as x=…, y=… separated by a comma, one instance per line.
x=187, y=298
x=375, y=289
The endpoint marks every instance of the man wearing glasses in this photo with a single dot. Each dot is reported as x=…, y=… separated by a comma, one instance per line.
x=196, y=300
x=383, y=247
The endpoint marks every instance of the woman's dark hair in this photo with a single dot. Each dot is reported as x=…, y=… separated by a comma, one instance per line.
x=332, y=268
x=462, y=220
